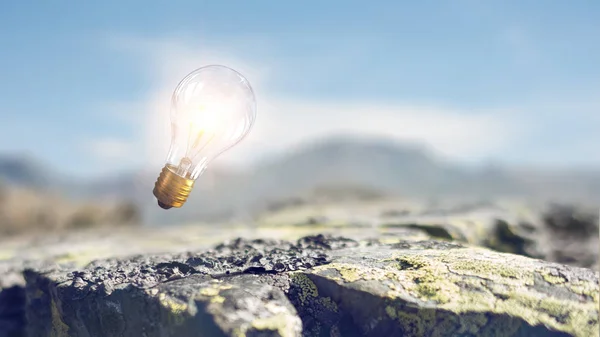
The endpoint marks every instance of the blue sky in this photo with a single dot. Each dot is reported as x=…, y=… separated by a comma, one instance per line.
x=85, y=86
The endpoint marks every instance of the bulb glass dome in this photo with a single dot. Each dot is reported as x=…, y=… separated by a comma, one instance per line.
x=212, y=109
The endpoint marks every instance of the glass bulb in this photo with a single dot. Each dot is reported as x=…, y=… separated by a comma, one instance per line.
x=212, y=109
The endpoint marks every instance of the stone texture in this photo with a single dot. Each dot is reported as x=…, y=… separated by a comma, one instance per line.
x=379, y=269
x=432, y=288
x=554, y=232
x=206, y=293
x=193, y=306
x=12, y=297
x=316, y=286
x=12, y=310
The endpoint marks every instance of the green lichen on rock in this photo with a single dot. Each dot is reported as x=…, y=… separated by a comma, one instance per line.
x=59, y=328
x=320, y=314
x=176, y=310
x=283, y=324
x=316, y=286
x=306, y=287
x=457, y=291
x=551, y=277
x=212, y=291
x=327, y=303
x=240, y=306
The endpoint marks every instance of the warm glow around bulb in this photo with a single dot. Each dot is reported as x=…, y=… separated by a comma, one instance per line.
x=207, y=119
x=212, y=109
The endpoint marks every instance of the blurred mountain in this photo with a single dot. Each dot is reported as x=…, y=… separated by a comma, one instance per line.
x=33, y=198
x=337, y=165
x=23, y=171
x=396, y=168
x=367, y=167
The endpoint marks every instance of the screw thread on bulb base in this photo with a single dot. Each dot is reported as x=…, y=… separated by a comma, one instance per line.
x=172, y=190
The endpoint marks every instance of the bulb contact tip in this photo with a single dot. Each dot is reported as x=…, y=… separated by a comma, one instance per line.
x=172, y=190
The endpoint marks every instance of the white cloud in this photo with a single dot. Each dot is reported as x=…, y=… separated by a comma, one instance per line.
x=283, y=122
x=455, y=134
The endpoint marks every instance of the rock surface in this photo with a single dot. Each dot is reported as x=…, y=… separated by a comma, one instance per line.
x=378, y=272
x=316, y=286
x=431, y=288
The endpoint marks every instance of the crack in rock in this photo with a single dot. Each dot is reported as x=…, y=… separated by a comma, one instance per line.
x=317, y=285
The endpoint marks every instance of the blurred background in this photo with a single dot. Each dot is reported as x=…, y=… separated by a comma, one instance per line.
x=462, y=100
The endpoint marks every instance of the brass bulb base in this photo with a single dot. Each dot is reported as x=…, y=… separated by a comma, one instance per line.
x=170, y=189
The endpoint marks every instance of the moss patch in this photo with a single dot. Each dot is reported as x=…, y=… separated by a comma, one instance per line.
x=328, y=303
x=551, y=277
x=391, y=312
x=59, y=328
x=306, y=286
x=482, y=263
x=176, y=310
x=212, y=291
x=279, y=323
x=467, y=291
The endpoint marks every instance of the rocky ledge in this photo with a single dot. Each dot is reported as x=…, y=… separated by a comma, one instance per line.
x=317, y=286
x=413, y=280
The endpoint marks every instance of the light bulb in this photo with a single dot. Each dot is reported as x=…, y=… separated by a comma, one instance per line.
x=212, y=109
